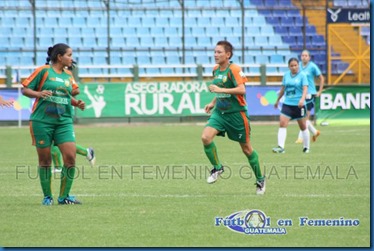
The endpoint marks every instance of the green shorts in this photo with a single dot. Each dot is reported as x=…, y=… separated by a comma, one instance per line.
x=44, y=135
x=235, y=124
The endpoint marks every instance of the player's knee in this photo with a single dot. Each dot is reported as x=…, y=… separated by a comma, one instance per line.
x=206, y=139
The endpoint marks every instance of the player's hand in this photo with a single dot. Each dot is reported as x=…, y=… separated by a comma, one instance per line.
x=301, y=104
x=208, y=108
x=6, y=103
x=214, y=88
x=276, y=105
x=81, y=104
x=45, y=94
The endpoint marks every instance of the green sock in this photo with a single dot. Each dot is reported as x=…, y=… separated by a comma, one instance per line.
x=45, y=180
x=56, y=157
x=67, y=178
x=255, y=164
x=81, y=150
x=211, y=153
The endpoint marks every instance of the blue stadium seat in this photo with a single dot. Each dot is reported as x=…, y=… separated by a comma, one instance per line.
x=173, y=59
x=291, y=40
x=156, y=31
x=249, y=59
x=198, y=31
x=281, y=30
x=272, y=20
x=146, y=41
x=204, y=41
x=294, y=31
x=203, y=21
x=162, y=21
x=262, y=59
x=142, y=60
x=267, y=30
x=261, y=40
x=126, y=31
x=134, y=22
x=275, y=40
x=212, y=31
x=279, y=13
x=257, y=2
x=117, y=41
x=147, y=21
x=161, y=41
x=298, y=21
x=318, y=40
x=132, y=42
x=293, y=13
x=266, y=12
x=310, y=30
x=276, y=59
x=175, y=41
x=175, y=21
x=287, y=21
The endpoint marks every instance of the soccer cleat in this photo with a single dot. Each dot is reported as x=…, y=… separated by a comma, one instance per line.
x=214, y=174
x=91, y=156
x=56, y=170
x=306, y=150
x=314, y=138
x=278, y=150
x=299, y=141
x=70, y=200
x=47, y=201
x=260, y=187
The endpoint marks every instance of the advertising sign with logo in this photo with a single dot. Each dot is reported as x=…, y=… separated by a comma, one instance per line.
x=340, y=15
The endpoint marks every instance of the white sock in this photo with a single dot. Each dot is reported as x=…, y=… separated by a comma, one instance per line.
x=311, y=127
x=306, y=138
x=282, y=135
x=300, y=135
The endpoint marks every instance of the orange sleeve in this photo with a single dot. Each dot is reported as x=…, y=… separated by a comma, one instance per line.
x=72, y=80
x=28, y=80
x=238, y=75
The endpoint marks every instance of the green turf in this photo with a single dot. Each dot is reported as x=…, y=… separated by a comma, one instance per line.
x=149, y=189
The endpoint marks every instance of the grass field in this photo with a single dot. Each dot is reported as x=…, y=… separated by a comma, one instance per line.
x=149, y=189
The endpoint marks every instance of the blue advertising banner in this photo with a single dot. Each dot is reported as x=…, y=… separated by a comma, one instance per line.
x=340, y=15
x=21, y=109
x=261, y=100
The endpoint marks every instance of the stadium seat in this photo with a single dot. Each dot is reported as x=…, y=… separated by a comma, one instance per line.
x=310, y=30
x=286, y=21
x=147, y=21
x=261, y=40
x=267, y=30
x=161, y=41
x=257, y=2
x=262, y=59
x=281, y=30
x=272, y=20
x=276, y=59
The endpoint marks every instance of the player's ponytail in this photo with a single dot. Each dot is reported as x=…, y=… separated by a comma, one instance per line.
x=49, y=53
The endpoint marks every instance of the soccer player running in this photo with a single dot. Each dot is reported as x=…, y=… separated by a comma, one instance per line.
x=229, y=114
x=312, y=71
x=89, y=153
x=294, y=87
x=51, y=120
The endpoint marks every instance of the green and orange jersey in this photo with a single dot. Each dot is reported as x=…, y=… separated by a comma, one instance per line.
x=57, y=108
x=231, y=77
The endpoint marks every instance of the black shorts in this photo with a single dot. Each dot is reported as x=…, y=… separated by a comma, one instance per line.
x=310, y=103
x=293, y=111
